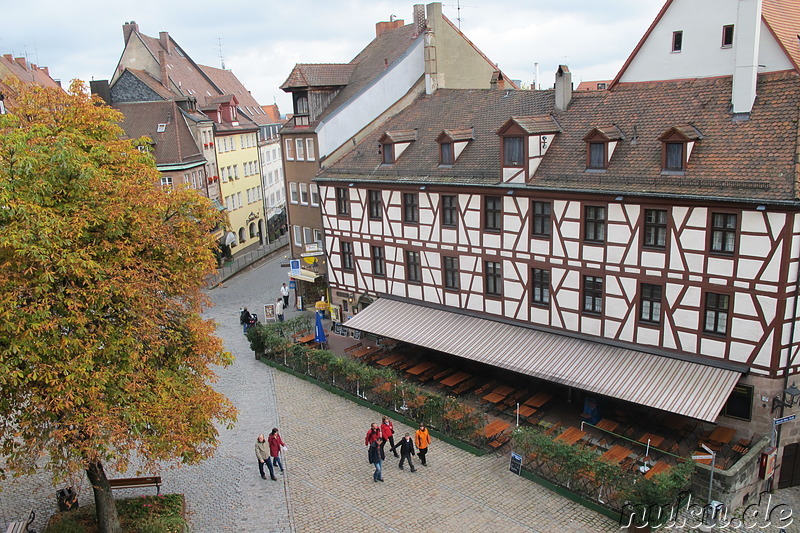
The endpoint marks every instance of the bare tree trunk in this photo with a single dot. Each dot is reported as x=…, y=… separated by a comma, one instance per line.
x=107, y=518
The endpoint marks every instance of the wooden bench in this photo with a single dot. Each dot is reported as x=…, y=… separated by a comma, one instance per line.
x=21, y=526
x=136, y=482
x=349, y=350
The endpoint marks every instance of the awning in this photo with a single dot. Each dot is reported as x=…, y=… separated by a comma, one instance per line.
x=305, y=275
x=682, y=387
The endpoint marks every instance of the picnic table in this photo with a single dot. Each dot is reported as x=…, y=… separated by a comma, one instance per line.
x=455, y=379
x=655, y=440
x=503, y=390
x=607, y=425
x=493, y=398
x=539, y=399
x=525, y=411
x=657, y=468
x=616, y=454
x=390, y=360
x=305, y=339
x=493, y=428
x=722, y=435
x=571, y=435
x=420, y=368
x=364, y=350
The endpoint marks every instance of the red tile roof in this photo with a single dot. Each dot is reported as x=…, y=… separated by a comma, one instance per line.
x=782, y=17
x=747, y=160
x=172, y=146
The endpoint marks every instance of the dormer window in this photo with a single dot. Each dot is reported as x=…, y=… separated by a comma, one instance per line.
x=451, y=144
x=677, y=144
x=394, y=143
x=446, y=153
x=387, y=149
x=600, y=145
x=513, y=151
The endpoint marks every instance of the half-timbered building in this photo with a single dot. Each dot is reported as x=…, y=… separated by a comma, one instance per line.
x=638, y=243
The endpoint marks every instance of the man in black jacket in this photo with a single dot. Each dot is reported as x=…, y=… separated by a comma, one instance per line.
x=406, y=451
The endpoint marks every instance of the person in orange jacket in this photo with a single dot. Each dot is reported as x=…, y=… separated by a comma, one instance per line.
x=422, y=438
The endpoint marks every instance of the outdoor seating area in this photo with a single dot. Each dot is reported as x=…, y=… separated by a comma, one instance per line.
x=626, y=435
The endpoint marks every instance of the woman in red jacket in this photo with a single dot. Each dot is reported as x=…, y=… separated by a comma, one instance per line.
x=387, y=430
x=276, y=444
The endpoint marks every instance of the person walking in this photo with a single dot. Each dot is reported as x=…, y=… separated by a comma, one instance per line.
x=276, y=446
x=285, y=295
x=423, y=440
x=262, y=453
x=374, y=454
x=279, y=307
x=387, y=430
x=245, y=319
x=406, y=446
x=373, y=434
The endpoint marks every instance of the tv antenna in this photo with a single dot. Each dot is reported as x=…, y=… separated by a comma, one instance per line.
x=458, y=7
x=221, y=57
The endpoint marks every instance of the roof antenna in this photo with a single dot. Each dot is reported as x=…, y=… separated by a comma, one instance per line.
x=221, y=58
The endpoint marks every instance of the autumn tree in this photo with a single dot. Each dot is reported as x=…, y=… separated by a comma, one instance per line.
x=104, y=355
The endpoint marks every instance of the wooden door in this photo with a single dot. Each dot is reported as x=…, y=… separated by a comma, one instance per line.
x=790, y=466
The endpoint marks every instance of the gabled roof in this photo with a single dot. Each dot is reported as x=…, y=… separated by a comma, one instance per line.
x=228, y=83
x=172, y=146
x=273, y=113
x=609, y=133
x=782, y=17
x=458, y=135
x=749, y=160
x=536, y=124
x=26, y=72
x=202, y=82
x=378, y=55
x=308, y=75
x=400, y=136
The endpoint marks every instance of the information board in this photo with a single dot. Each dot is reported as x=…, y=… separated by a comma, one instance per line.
x=516, y=463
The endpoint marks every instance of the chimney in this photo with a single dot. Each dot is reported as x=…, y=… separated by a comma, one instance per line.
x=162, y=60
x=128, y=28
x=100, y=88
x=393, y=23
x=419, y=19
x=563, y=87
x=163, y=37
x=745, y=45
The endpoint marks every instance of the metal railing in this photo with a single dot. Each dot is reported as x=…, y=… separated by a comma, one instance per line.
x=246, y=259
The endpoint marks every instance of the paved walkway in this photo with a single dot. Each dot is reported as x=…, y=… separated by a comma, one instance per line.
x=328, y=483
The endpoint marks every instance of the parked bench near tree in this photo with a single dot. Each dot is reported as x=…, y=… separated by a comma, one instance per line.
x=21, y=526
x=137, y=482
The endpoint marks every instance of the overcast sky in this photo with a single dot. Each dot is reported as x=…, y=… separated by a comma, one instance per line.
x=262, y=41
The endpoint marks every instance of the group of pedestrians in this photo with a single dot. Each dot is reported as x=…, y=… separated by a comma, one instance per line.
x=268, y=451
x=379, y=434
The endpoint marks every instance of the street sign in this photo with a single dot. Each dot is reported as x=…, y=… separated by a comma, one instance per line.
x=701, y=457
x=294, y=267
x=779, y=421
x=312, y=254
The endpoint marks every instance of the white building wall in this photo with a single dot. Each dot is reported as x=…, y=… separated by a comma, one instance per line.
x=368, y=105
x=702, y=55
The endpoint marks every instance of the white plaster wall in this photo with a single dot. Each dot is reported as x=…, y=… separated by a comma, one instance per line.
x=366, y=106
x=702, y=55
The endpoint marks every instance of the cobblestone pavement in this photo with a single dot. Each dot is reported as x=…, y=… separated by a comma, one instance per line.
x=328, y=483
